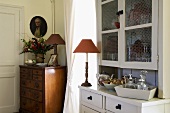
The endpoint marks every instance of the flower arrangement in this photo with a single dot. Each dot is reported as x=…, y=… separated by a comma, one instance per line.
x=36, y=46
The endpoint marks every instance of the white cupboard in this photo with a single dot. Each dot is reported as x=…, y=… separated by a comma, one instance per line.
x=128, y=32
x=101, y=100
x=118, y=55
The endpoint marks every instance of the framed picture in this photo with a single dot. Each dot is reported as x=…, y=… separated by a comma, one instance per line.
x=38, y=26
x=52, y=61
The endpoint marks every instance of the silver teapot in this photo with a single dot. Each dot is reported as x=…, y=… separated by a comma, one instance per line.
x=101, y=78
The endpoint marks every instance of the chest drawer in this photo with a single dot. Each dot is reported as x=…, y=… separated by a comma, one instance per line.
x=92, y=98
x=37, y=72
x=24, y=111
x=30, y=105
x=32, y=94
x=31, y=84
x=37, y=77
x=119, y=107
x=26, y=73
x=24, y=70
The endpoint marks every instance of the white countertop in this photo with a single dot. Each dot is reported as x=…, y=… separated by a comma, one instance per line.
x=112, y=94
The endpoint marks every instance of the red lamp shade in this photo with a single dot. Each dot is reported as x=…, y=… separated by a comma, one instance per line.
x=86, y=46
x=55, y=39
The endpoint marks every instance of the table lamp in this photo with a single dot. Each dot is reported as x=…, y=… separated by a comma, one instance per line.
x=86, y=46
x=55, y=39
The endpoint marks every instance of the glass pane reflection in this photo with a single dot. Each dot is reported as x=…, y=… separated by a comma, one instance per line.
x=110, y=46
x=138, y=45
x=109, y=16
x=138, y=12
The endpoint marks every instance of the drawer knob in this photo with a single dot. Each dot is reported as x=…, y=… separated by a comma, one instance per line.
x=89, y=98
x=36, y=85
x=23, y=83
x=23, y=92
x=118, y=106
x=37, y=107
x=24, y=104
x=36, y=96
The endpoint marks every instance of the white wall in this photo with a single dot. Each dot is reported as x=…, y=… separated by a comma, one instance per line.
x=164, y=51
x=166, y=46
x=59, y=29
x=42, y=8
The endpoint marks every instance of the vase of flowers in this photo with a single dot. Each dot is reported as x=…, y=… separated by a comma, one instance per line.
x=37, y=47
x=39, y=58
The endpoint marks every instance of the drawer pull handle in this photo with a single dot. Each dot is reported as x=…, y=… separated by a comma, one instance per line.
x=36, y=78
x=23, y=92
x=24, y=103
x=23, y=83
x=37, y=107
x=89, y=98
x=118, y=106
x=36, y=85
x=36, y=96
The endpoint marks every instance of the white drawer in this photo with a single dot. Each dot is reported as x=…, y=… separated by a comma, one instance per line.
x=88, y=110
x=119, y=106
x=91, y=98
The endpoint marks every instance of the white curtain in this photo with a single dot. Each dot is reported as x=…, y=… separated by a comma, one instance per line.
x=80, y=23
x=69, y=14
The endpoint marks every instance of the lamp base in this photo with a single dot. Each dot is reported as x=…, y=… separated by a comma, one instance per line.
x=86, y=84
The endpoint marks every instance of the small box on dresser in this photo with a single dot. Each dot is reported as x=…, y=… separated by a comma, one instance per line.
x=42, y=89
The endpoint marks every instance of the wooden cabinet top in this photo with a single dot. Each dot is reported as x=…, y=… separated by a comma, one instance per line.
x=42, y=67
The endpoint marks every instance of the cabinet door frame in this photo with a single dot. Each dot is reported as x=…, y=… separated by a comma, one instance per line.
x=154, y=25
x=100, y=33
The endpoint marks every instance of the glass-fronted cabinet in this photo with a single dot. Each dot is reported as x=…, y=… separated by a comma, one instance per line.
x=129, y=40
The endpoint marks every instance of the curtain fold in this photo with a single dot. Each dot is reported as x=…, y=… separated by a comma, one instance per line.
x=69, y=14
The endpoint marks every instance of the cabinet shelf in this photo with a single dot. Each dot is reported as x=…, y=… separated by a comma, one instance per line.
x=110, y=31
x=107, y=1
x=110, y=63
x=138, y=26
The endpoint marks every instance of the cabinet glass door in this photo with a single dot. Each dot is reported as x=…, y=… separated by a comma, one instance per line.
x=109, y=16
x=138, y=12
x=138, y=45
x=140, y=21
x=109, y=32
x=110, y=46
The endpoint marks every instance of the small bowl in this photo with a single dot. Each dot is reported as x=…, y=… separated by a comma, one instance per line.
x=30, y=64
x=108, y=85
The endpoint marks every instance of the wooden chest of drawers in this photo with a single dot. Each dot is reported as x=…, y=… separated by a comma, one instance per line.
x=42, y=89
